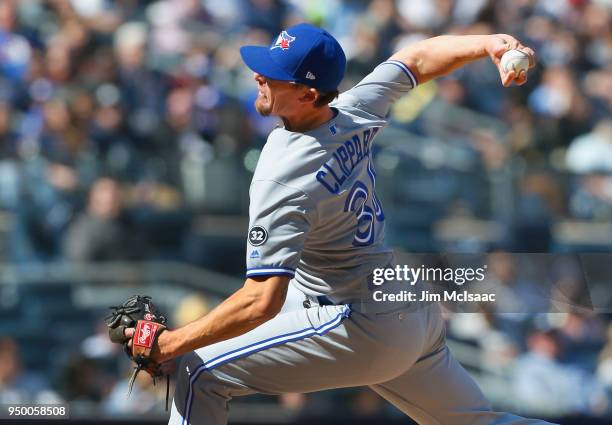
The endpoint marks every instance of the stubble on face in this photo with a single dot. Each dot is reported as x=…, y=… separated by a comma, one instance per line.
x=262, y=106
x=263, y=103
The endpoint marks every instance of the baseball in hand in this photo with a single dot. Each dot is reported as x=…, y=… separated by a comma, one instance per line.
x=515, y=60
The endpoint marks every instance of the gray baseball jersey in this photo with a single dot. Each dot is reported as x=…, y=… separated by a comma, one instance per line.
x=315, y=217
x=314, y=214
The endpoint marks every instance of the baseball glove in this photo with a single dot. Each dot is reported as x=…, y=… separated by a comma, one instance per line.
x=138, y=312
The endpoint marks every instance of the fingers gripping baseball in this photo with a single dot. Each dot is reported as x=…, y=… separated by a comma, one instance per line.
x=499, y=45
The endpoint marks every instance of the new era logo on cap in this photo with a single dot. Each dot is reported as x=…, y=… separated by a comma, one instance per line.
x=310, y=76
x=283, y=41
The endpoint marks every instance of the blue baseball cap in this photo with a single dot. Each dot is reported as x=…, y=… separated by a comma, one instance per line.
x=302, y=53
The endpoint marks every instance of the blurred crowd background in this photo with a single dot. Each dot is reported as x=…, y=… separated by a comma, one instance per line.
x=128, y=135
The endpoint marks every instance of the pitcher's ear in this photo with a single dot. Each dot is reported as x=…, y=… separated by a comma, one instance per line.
x=310, y=96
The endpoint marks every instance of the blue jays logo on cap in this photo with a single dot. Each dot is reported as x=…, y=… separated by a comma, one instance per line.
x=283, y=41
x=303, y=54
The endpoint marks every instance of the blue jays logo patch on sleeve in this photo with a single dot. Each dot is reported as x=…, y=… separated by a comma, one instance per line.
x=258, y=235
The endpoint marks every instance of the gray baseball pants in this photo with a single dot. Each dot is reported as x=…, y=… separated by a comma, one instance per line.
x=399, y=354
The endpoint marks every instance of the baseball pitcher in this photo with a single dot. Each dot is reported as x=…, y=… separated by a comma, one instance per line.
x=302, y=321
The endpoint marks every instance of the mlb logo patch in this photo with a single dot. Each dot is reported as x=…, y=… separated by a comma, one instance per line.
x=283, y=41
